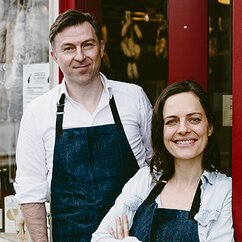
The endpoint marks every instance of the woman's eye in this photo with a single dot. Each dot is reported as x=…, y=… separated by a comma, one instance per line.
x=171, y=122
x=195, y=120
x=88, y=46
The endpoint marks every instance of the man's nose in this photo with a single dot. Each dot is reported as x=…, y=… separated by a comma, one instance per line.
x=80, y=55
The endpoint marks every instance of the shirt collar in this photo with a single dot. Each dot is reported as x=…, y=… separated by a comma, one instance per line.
x=209, y=177
x=106, y=87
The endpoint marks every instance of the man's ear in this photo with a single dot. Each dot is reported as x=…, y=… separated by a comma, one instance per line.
x=53, y=55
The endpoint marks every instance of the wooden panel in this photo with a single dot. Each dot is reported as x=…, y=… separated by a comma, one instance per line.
x=237, y=114
x=188, y=40
x=66, y=4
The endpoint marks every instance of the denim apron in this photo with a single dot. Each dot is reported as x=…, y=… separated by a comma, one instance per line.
x=90, y=167
x=153, y=224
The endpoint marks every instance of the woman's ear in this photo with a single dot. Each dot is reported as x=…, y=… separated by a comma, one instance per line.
x=210, y=130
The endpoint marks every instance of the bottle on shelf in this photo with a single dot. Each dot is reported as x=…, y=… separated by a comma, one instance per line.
x=1, y=204
x=6, y=190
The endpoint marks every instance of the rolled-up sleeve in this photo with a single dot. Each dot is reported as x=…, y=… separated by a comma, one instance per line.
x=145, y=124
x=31, y=176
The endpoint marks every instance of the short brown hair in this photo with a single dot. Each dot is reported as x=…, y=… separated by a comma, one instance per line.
x=69, y=18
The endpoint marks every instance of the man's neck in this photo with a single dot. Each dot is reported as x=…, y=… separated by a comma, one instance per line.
x=87, y=95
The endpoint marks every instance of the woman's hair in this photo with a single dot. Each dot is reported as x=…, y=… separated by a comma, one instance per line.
x=162, y=160
x=70, y=18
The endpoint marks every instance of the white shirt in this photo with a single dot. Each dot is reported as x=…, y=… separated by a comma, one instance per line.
x=35, y=146
x=214, y=216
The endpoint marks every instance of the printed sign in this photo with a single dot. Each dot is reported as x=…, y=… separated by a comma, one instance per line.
x=35, y=81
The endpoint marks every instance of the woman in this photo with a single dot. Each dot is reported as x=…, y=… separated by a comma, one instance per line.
x=181, y=196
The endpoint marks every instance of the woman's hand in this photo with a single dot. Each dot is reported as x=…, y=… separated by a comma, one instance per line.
x=122, y=228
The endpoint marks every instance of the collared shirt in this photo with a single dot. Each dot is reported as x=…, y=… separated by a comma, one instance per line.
x=35, y=146
x=214, y=217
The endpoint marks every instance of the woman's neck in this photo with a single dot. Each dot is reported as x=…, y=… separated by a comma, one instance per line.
x=186, y=175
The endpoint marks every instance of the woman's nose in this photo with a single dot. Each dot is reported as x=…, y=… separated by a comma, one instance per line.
x=183, y=127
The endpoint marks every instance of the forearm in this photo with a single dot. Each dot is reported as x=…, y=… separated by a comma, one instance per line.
x=35, y=219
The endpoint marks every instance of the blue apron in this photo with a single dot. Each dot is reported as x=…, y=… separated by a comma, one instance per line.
x=153, y=224
x=90, y=167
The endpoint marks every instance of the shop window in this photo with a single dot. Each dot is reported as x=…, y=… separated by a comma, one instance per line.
x=24, y=27
x=220, y=75
x=136, y=43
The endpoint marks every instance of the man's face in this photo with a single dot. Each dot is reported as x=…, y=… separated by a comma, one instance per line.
x=78, y=53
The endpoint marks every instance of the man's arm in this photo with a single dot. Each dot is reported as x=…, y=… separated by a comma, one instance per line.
x=35, y=218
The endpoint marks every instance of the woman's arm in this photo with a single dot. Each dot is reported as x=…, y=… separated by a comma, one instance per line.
x=221, y=229
x=115, y=225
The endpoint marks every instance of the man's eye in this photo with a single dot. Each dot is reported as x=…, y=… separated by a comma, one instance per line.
x=69, y=50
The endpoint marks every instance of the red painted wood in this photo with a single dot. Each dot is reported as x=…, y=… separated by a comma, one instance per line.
x=70, y=4
x=63, y=6
x=80, y=5
x=237, y=114
x=188, y=40
x=66, y=4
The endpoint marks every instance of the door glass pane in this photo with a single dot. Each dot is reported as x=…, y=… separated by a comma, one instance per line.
x=220, y=84
x=24, y=41
x=136, y=43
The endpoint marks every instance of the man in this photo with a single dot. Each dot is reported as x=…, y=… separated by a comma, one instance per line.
x=81, y=141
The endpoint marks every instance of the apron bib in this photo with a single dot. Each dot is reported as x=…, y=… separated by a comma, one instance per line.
x=153, y=224
x=90, y=167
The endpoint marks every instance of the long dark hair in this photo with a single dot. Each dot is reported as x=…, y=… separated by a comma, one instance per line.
x=162, y=160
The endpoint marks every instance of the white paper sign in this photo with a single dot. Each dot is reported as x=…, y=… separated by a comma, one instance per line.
x=35, y=81
x=227, y=110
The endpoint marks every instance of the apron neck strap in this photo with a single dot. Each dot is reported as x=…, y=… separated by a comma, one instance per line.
x=196, y=202
x=159, y=187
x=60, y=112
x=59, y=115
x=154, y=192
x=115, y=113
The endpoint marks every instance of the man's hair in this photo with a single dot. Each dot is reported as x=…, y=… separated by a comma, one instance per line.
x=70, y=18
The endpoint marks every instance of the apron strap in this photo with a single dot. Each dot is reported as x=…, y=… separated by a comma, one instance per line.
x=196, y=202
x=60, y=112
x=154, y=192
x=115, y=113
x=59, y=115
x=159, y=187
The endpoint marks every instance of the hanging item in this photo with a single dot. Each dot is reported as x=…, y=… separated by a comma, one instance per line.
x=37, y=47
x=105, y=59
x=161, y=40
x=130, y=34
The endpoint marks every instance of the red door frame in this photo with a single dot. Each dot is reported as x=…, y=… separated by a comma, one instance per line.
x=237, y=114
x=188, y=41
x=185, y=67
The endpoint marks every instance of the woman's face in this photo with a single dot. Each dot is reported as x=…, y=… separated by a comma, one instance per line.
x=186, y=128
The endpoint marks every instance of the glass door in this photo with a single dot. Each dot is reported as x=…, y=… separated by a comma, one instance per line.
x=136, y=43
x=220, y=75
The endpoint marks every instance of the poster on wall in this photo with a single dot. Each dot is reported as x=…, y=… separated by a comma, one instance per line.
x=35, y=81
x=227, y=110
